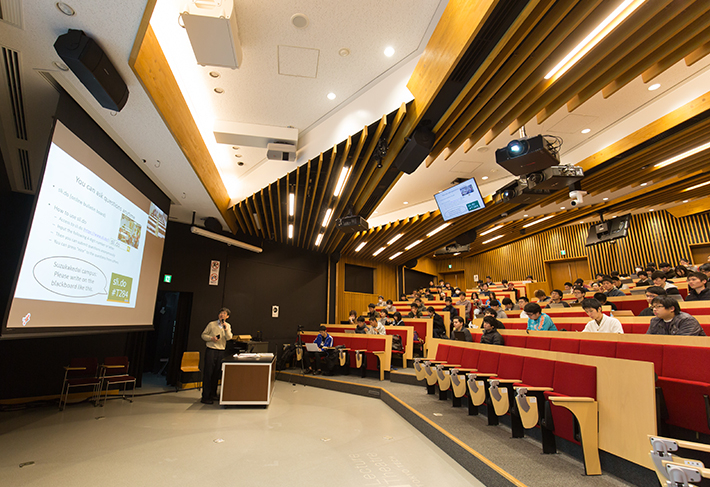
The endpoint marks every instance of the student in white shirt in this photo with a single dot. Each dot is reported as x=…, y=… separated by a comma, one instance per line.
x=600, y=322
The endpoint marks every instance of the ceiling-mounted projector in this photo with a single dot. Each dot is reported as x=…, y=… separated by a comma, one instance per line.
x=281, y=152
x=521, y=157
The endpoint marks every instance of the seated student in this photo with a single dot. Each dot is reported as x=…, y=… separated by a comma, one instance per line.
x=568, y=288
x=404, y=298
x=438, y=323
x=509, y=286
x=617, y=283
x=529, y=279
x=537, y=320
x=494, y=304
x=541, y=296
x=371, y=313
x=441, y=284
x=609, y=288
x=600, y=322
x=389, y=307
x=601, y=297
x=667, y=269
x=594, y=286
x=313, y=359
x=377, y=327
x=580, y=283
x=522, y=302
x=397, y=319
x=457, y=292
x=384, y=319
x=659, y=279
x=670, y=320
x=705, y=269
x=652, y=292
x=491, y=312
x=458, y=326
x=507, y=305
x=483, y=290
x=450, y=308
x=352, y=317
x=489, y=281
x=361, y=325
x=578, y=292
x=490, y=333
x=381, y=301
x=599, y=276
x=643, y=279
x=698, y=287
x=686, y=263
x=556, y=298
x=466, y=304
x=415, y=311
x=681, y=271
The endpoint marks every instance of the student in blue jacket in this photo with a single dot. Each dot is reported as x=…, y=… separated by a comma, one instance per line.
x=324, y=341
x=537, y=320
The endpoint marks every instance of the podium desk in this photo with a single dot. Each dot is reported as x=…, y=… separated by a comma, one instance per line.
x=248, y=380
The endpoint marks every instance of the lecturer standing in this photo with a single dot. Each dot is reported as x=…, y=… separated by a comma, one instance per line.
x=216, y=335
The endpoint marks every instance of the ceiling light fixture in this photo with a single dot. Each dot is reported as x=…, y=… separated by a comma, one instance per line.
x=326, y=219
x=685, y=154
x=291, y=203
x=644, y=184
x=378, y=252
x=484, y=177
x=437, y=230
x=651, y=209
x=65, y=9
x=219, y=91
x=396, y=255
x=412, y=245
x=625, y=9
x=492, y=239
x=319, y=238
x=389, y=51
x=697, y=186
x=405, y=202
x=457, y=253
x=331, y=96
x=214, y=74
x=654, y=86
x=491, y=230
x=395, y=238
x=562, y=207
x=359, y=247
x=526, y=215
x=344, y=52
x=341, y=181
x=685, y=201
x=605, y=199
x=538, y=221
x=290, y=230
x=299, y=21
x=586, y=131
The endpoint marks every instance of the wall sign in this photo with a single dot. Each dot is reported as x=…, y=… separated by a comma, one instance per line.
x=214, y=273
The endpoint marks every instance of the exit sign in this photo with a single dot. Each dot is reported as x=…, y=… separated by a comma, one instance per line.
x=167, y=278
x=449, y=266
x=563, y=252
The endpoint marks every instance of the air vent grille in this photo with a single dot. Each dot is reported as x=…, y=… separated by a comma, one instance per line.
x=12, y=71
x=11, y=12
x=25, y=165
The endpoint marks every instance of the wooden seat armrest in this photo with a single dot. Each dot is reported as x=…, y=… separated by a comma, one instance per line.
x=113, y=366
x=359, y=350
x=485, y=374
x=685, y=444
x=536, y=389
x=451, y=365
x=74, y=368
x=555, y=399
x=379, y=352
x=505, y=381
x=466, y=370
x=435, y=361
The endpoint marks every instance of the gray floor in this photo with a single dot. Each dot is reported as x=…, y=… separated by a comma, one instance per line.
x=308, y=436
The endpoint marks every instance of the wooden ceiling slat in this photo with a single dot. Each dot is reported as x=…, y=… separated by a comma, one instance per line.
x=238, y=217
x=311, y=223
x=274, y=221
x=679, y=53
x=246, y=217
x=325, y=184
x=265, y=215
x=366, y=169
x=398, y=118
x=698, y=54
x=250, y=206
x=279, y=183
x=305, y=215
x=297, y=207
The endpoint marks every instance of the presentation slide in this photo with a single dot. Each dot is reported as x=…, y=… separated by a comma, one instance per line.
x=92, y=244
x=459, y=200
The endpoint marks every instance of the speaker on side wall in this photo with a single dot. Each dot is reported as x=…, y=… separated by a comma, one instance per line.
x=467, y=237
x=415, y=150
x=410, y=264
x=335, y=257
x=93, y=68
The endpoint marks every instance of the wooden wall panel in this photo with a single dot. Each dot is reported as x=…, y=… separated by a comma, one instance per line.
x=653, y=237
x=385, y=284
x=426, y=265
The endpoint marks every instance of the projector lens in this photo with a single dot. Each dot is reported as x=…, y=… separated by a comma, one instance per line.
x=517, y=148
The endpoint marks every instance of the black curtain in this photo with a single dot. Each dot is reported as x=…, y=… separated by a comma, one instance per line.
x=182, y=330
x=135, y=351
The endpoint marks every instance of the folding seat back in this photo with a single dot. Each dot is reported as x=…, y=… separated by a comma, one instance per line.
x=627, y=327
x=476, y=337
x=645, y=352
x=442, y=352
x=571, y=380
x=375, y=344
x=688, y=363
x=469, y=358
x=640, y=328
x=577, y=327
x=566, y=345
x=538, y=343
x=538, y=372
x=358, y=343
x=345, y=341
x=510, y=366
x=488, y=362
x=515, y=341
x=455, y=354
x=599, y=348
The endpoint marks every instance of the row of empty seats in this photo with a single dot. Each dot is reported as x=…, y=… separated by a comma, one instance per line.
x=87, y=373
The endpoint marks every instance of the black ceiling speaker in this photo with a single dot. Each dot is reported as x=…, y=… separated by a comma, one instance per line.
x=213, y=225
x=93, y=68
x=335, y=257
x=415, y=150
x=410, y=264
x=467, y=238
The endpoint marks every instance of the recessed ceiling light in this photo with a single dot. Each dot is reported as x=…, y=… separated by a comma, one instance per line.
x=537, y=221
x=405, y=202
x=437, y=229
x=326, y=218
x=491, y=230
x=685, y=201
x=235, y=147
x=65, y=9
x=525, y=216
x=359, y=247
x=389, y=51
x=562, y=207
x=413, y=244
x=685, y=154
x=60, y=66
x=214, y=74
x=484, y=177
x=651, y=209
x=644, y=184
x=219, y=91
x=237, y=155
x=482, y=149
x=299, y=21
x=654, y=86
x=492, y=239
x=291, y=203
x=319, y=238
x=605, y=199
x=396, y=255
x=697, y=186
x=378, y=252
x=586, y=131
x=457, y=253
x=341, y=181
x=331, y=96
x=290, y=230
x=395, y=238
x=344, y=52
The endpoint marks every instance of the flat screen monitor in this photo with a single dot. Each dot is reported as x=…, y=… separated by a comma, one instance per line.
x=459, y=200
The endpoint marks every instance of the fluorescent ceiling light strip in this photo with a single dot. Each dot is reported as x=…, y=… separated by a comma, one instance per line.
x=396, y=255
x=341, y=181
x=326, y=219
x=689, y=153
x=697, y=186
x=291, y=203
x=538, y=221
x=395, y=238
x=379, y=251
x=491, y=230
x=318, y=239
x=625, y=9
x=492, y=239
x=359, y=247
x=413, y=244
x=290, y=230
x=438, y=229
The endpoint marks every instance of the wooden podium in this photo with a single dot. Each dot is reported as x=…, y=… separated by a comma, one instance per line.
x=248, y=380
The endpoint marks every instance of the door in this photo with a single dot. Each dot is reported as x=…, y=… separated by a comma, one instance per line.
x=700, y=253
x=456, y=279
x=560, y=271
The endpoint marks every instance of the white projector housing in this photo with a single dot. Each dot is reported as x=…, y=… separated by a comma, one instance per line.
x=212, y=29
x=281, y=152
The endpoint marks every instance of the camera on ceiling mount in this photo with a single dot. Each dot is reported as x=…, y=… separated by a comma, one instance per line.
x=577, y=197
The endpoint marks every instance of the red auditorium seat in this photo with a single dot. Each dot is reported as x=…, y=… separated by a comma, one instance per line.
x=597, y=347
x=538, y=343
x=567, y=345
